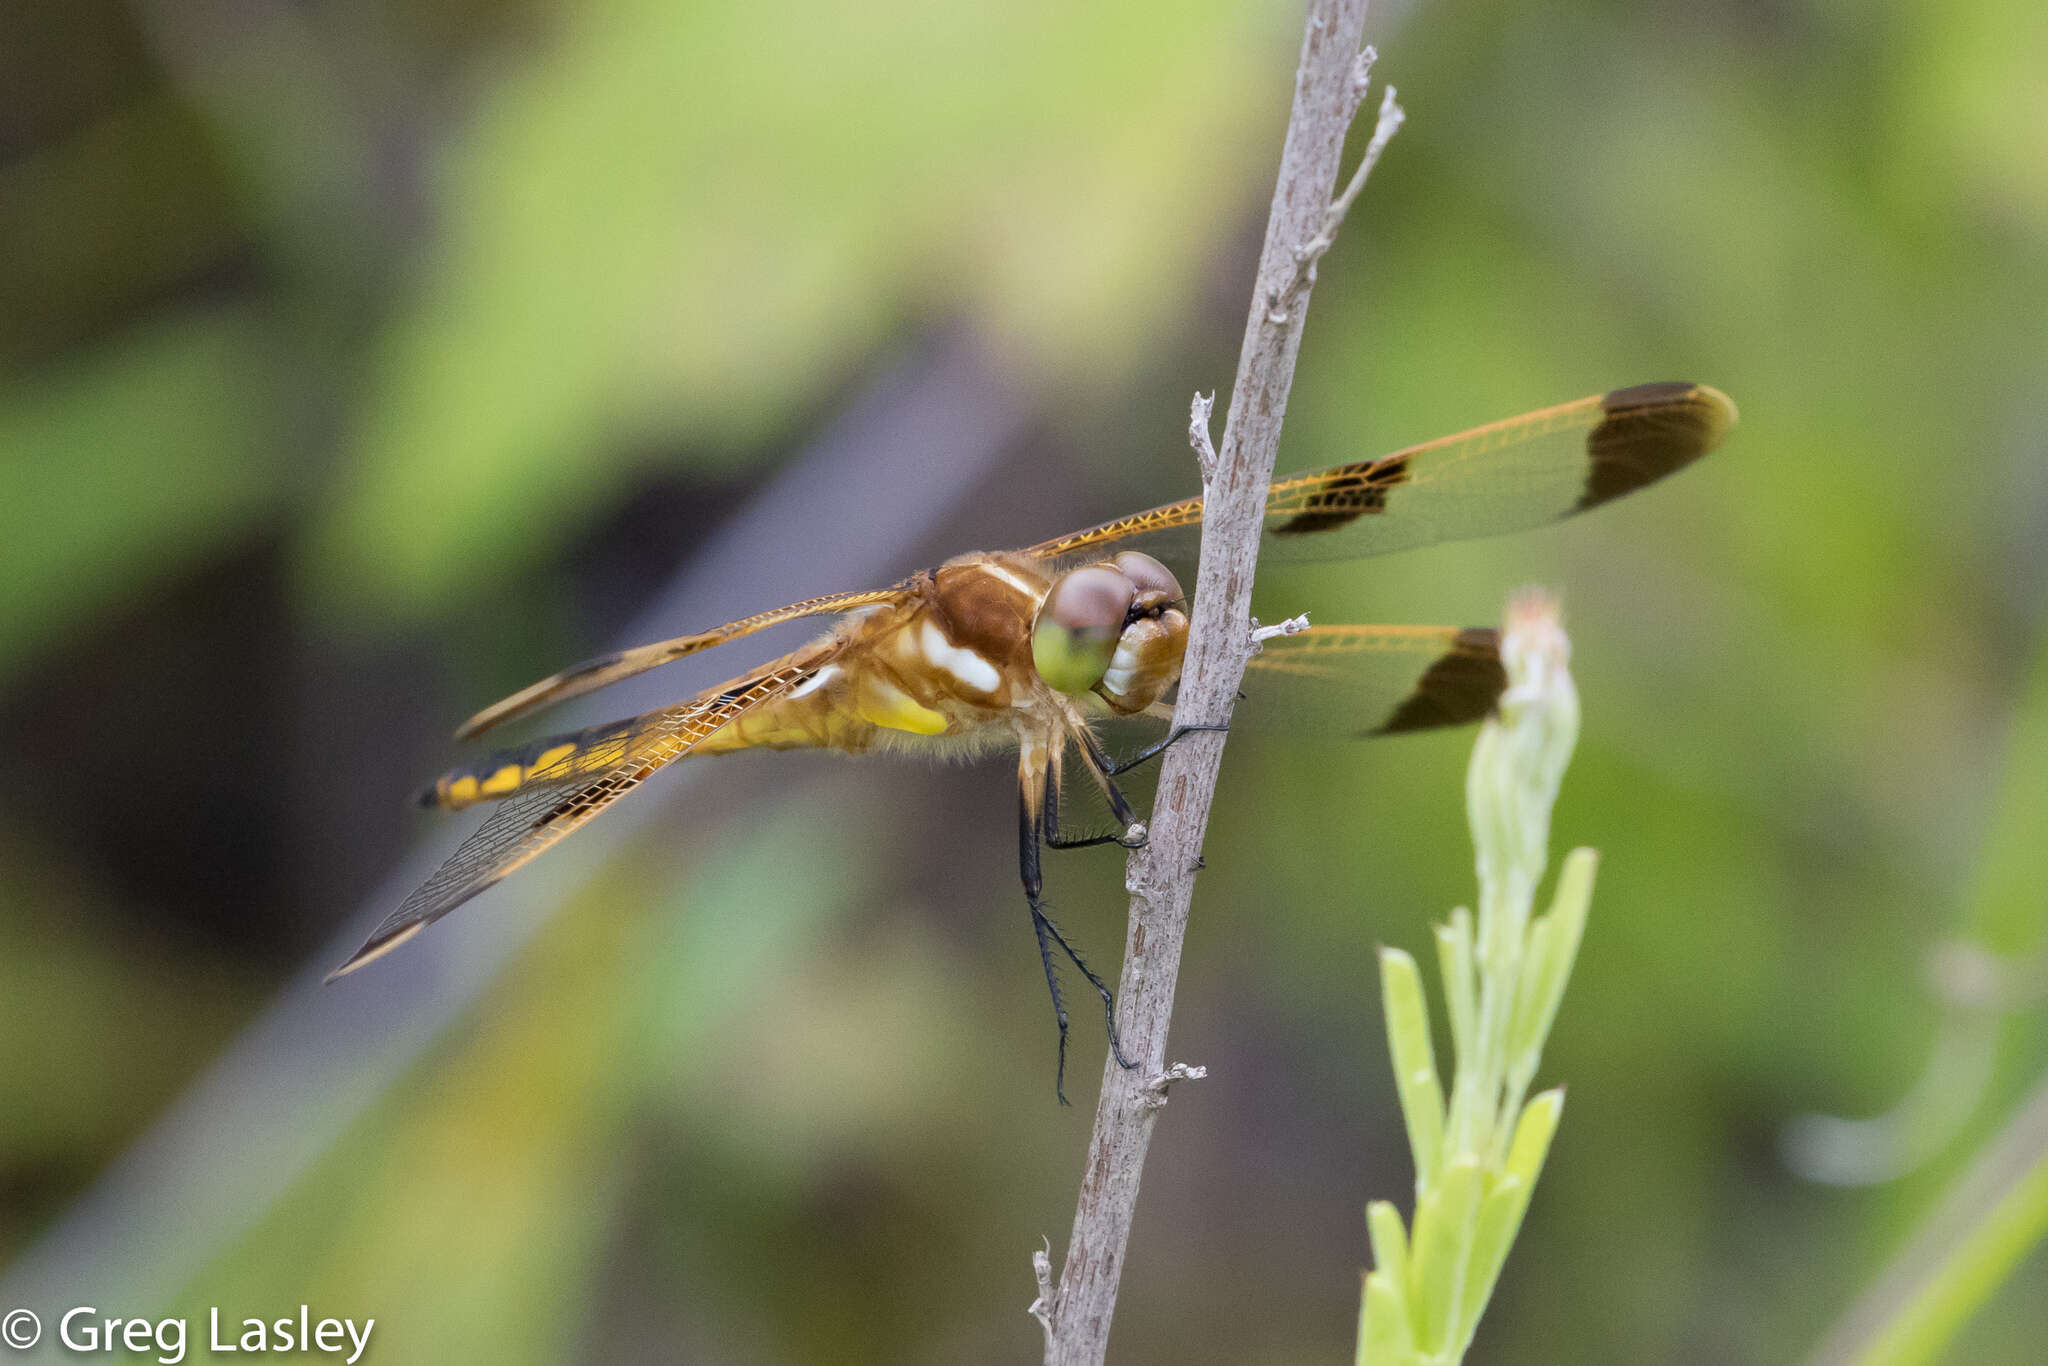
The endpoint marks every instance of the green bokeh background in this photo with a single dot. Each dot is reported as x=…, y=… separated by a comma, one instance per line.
x=360, y=362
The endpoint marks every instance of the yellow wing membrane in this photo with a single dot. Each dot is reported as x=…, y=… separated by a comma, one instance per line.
x=1380, y=680
x=605, y=670
x=1508, y=476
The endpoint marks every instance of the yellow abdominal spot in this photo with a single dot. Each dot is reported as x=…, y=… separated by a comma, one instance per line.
x=501, y=782
x=462, y=791
x=884, y=704
x=550, y=758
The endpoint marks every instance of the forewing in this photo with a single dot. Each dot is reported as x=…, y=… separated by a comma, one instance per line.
x=1169, y=531
x=546, y=809
x=1507, y=476
x=604, y=670
x=1378, y=680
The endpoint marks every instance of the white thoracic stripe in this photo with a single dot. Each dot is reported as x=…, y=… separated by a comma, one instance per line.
x=815, y=681
x=1011, y=578
x=965, y=665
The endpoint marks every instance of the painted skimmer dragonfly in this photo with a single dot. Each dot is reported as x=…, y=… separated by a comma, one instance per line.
x=1027, y=649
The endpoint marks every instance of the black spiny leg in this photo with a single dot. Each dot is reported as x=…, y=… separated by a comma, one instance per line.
x=1055, y=840
x=1103, y=770
x=1048, y=935
x=1159, y=747
x=1107, y=770
x=1049, y=809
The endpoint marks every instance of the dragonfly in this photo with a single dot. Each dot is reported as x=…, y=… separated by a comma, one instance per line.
x=1031, y=650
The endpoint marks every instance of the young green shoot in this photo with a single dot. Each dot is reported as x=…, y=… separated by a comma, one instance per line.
x=1478, y=1150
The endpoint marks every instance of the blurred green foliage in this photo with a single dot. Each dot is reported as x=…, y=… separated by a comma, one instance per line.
x=410, y=307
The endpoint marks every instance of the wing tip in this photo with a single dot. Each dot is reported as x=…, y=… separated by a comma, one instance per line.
x=490, y=716
x=373, y=948
x=556, y=687
x=1647, y=431
x=496, y=713
x=1670, y=393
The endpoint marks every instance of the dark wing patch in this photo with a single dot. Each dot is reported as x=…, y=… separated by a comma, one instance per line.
x=1460, y=686
x=559, y=799
x=1381, y=680
x=605, y=670
x=1648, y=431
x=1343, y=495
x=1507, y=476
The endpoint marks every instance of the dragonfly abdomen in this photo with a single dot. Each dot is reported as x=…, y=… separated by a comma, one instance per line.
x=558, y=756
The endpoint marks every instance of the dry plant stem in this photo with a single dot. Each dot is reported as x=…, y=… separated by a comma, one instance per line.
x=1155, y=1089
x=1313, y=250
x=1198, y=436
x=1293, y=626
x=1041, y=1308
x=1161, y=876
x=1361, y=81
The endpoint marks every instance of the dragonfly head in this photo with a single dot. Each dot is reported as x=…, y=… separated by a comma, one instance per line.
x=1116, y=628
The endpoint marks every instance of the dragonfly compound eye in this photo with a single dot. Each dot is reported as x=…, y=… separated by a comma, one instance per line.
x=1150, y=576
x=1078, y=626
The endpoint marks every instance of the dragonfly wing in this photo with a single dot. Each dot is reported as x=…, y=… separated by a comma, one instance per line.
x=1170, y=532
x=605, y=670
x=1379, y=680
x=559, y=798
x=1507, y=476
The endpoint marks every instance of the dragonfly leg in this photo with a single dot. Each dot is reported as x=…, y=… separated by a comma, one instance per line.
x=1049, y=934
x=1104, y=773
x=1055, y=840
x=1116, y=1046
x=1159, y=747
